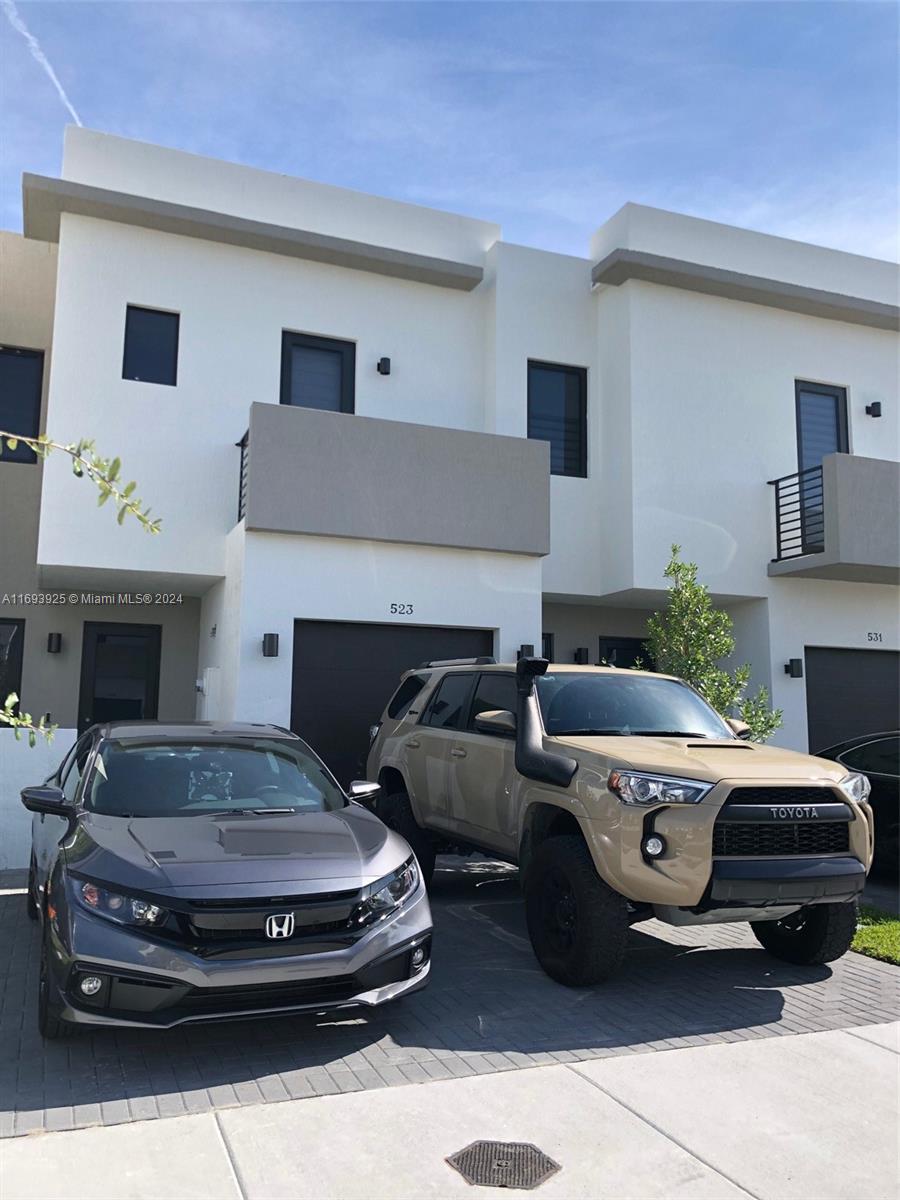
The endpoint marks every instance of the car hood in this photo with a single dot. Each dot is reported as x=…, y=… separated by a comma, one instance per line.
x=236, y=855
x=705, y=759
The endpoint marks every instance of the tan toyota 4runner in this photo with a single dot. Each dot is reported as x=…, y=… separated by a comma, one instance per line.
x=622, y=795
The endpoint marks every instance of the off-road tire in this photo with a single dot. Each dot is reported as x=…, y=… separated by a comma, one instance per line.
x=49, y=1024
x=30, y=903
x=396, y=812
x=818, y=933
x=577, y=924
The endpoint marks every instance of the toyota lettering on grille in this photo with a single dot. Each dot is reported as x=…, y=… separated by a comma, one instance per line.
x=280, y=925
x=804, y=812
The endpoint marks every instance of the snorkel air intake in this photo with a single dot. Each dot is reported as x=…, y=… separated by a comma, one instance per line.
x=532, y=760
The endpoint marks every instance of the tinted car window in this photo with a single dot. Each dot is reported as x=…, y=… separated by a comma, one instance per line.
x=448, y=705
x=881, y=757
x=624, y=703
x=187, y=779
x=405, y=694
x=494, y=691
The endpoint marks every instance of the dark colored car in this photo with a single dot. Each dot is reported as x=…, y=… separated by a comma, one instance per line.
x=193, y=872
x=877, y=756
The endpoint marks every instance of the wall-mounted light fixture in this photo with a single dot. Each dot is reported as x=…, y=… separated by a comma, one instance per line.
x=794, y=668
x=873, y=409
x=54, y=643
x=270, y=645
x=582, y=655
x=383, y=366
x=526, y=650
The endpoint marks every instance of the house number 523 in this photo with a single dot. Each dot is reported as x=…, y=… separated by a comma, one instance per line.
x=402, y=610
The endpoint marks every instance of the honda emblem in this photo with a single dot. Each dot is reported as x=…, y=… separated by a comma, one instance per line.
x=280, y=925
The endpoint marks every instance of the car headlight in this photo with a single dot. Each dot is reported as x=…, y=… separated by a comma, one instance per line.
x=126, y=910
x=856, y=786
x=633, y=787
x=388, y=893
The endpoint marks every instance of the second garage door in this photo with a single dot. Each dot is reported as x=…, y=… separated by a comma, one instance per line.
x=344, y=674
x=850, y=693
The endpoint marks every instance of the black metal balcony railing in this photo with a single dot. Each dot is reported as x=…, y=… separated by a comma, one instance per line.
x=244, y=446
x=799, y=514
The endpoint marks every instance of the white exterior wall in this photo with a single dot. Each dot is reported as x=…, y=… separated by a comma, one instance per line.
x=24, y=766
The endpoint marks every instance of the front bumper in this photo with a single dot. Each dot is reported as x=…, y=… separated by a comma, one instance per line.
x=154, y=984
x=764, y=882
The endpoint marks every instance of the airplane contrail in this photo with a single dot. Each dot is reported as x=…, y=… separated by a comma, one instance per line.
x=15, y=19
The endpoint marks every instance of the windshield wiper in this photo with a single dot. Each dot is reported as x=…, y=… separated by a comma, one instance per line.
x=591, y=733
x=682, y=733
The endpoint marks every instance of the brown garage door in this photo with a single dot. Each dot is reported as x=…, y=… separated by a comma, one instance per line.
x=850, y=693
x=344, y=674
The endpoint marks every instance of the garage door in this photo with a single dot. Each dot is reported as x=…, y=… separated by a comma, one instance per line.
x=344, y=674
x=849, y=693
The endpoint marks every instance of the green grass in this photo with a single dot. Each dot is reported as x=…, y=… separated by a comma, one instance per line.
x=878, y=935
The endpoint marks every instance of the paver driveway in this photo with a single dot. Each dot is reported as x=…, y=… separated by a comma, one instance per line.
x=488, y=1008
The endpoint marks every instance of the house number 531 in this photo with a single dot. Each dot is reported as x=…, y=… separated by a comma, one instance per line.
x=401, y=610
x=874, y=637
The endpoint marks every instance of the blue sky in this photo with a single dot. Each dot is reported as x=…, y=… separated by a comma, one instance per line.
x=545, y=117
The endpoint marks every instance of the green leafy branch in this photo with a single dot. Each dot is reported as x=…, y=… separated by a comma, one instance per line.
x=24, y=722
x=105, y=473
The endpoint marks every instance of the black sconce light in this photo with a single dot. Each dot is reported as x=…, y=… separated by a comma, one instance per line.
x=54, y=643
x=270, y=645
x=383, y=366
x=873, y=409
x=794, y=668
x=526, y=650
x=582, y=655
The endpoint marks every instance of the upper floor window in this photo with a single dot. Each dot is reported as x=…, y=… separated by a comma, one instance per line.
x=12, y=635
x=151, y=346
x=821, y=423
x=317, y=372
x=21, y=373
x=557, y=413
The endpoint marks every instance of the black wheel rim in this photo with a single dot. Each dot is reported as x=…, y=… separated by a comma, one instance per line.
x=559, y=912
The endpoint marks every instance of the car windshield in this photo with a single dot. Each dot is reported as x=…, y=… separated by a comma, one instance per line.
x=622, y=704
x=188, y=779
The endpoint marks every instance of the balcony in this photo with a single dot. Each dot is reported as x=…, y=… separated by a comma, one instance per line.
x=341, y=475
x=839, y=521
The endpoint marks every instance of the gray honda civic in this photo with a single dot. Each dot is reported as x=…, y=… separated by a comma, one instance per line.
x=198, y=872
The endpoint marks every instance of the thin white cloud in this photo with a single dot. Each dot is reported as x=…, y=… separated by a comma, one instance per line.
x=15, y=19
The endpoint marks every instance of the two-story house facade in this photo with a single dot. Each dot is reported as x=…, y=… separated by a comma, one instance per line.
x=376, y=434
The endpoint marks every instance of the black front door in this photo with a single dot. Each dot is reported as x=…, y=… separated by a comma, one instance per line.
x=119, y=673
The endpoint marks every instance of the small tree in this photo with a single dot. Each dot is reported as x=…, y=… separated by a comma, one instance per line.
x=692, y=637
x=104, y=473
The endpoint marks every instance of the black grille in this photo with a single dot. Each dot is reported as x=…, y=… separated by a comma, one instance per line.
x=782, y=795
x=738, y=840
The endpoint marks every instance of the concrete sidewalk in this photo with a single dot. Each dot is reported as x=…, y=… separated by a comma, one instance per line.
x=792, y=1118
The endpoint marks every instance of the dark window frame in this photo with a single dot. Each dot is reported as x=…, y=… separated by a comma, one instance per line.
x=580, y=373
x=18, y=661
x=548, y=646
x=161, y=312
x=24, y=454
x=309, y=341
x=836, y=393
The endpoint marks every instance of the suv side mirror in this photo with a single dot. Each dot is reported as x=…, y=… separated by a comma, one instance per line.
x=496, y=721
x=740, y=728
x=363, y=792
x=48, y=798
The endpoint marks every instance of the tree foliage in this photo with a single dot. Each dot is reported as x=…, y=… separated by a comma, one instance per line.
x=692, y=637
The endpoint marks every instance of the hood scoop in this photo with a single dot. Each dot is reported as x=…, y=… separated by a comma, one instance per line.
x=719, y=746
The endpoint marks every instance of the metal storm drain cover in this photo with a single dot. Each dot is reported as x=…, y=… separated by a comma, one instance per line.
x=503, y=1164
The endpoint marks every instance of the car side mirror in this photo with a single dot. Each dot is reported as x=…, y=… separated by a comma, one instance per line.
x=364, y=792
x=497, y=721
x=48, y=798
x=739, y=728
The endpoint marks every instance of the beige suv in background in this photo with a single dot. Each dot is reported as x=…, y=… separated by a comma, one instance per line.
x=621, y=795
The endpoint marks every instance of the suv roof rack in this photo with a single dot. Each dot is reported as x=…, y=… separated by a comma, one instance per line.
x=486, y=661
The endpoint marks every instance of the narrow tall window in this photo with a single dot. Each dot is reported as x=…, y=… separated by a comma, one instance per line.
x=151, y=346
x=557, y=413
x=21, y=373
x=821, y=423
x=317, y=372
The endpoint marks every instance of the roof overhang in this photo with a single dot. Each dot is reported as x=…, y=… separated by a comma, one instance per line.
x=622, y=265
x=44, y=200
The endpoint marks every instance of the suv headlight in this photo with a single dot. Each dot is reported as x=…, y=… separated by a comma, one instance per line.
x=125, y=910
x=388, y=894
x=634, y=787
x=856, y=786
